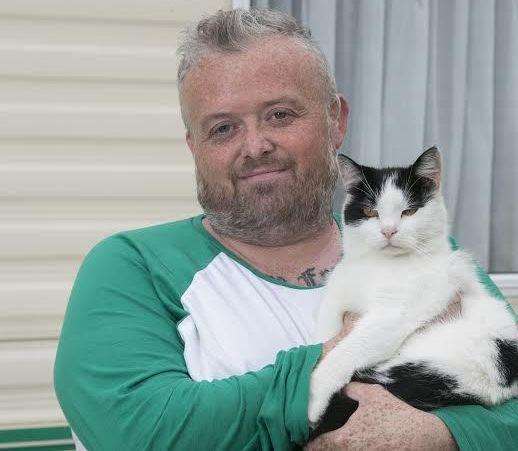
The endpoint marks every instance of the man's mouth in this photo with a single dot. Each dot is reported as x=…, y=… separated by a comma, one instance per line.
x=263, y=174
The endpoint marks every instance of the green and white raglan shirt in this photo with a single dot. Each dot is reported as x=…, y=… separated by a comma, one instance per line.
x=170, y=341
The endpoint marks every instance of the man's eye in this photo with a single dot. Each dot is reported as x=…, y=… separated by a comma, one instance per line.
x=282, y=116
x=221, y=130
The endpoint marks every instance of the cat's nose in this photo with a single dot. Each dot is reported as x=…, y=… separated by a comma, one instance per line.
x=389, y=231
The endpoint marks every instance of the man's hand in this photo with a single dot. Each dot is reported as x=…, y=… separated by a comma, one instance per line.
x=349, y=320
x=384, y=422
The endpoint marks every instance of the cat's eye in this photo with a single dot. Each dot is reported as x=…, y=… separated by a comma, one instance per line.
x=408, y=212
x=369, y=212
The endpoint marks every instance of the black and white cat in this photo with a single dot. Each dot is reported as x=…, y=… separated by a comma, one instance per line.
x=399, y=273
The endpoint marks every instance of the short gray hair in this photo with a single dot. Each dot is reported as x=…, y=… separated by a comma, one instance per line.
x=231, y=31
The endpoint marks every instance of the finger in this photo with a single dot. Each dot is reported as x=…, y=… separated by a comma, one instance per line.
x=350, y=317
x=357, y=390
x=453, y=310
x=348, y=322
x=323, y=442
x=455, y=306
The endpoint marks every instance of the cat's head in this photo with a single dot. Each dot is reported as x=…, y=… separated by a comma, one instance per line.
x=393, y=211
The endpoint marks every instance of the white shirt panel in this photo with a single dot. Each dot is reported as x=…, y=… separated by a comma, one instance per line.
x=238, y=321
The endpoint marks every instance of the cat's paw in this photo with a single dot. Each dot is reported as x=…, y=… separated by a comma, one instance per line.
x=318, y=401
x=323, y=385
x=329, y=376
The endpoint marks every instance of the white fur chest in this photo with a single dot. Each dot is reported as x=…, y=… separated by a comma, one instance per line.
x=372, y=282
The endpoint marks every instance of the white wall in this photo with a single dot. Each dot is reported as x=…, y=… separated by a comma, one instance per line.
x=91, y=143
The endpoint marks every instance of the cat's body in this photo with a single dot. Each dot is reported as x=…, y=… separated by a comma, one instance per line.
x=399, y=273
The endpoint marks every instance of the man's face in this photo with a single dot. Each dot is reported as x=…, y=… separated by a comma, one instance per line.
x=263, y=141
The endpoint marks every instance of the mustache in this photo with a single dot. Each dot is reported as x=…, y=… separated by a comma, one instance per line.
x=266, y=162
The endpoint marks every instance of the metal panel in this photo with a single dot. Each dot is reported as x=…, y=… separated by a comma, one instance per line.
x=114, y=10
x=91, y=143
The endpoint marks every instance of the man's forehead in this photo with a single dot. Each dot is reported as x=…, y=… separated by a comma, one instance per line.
x=270, y=54
x=266, y=70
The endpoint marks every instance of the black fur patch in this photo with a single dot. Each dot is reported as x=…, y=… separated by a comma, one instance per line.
x=507, y=360
x=340, y=408
x=366, y=191
x=424, y=387
x=415, y=383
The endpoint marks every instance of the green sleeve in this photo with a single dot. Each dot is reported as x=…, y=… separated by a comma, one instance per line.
x=478, y=427
x=122, y=382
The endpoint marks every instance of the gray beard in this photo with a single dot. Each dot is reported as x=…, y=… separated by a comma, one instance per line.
x=269, y=214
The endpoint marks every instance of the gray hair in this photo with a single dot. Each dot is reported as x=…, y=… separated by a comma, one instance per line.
x=231, y=31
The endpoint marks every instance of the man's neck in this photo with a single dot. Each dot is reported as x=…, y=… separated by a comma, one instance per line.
x=305, y=262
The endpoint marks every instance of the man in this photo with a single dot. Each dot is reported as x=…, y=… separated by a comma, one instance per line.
x=196, y=334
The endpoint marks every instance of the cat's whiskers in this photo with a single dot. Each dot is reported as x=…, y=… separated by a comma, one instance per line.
x=421, y=250
x=363, y=191
x=415, y=181
x=367, y=184
x=405, y=190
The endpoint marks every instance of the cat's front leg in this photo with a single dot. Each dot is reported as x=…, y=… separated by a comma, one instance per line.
x=376, y=337
x=327, y=379
x=340, y=298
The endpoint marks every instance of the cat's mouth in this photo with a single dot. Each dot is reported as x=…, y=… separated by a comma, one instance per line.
x=390, y=245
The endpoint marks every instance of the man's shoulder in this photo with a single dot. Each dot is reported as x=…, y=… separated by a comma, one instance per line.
x=172, y=233
x=169, y=244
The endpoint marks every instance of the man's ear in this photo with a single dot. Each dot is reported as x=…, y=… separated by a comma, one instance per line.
x=339, y=114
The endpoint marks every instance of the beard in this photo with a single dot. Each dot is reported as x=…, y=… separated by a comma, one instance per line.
x=273, y=212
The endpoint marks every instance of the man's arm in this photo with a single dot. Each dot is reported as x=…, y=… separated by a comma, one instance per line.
x=122, y=382
x=477, y=427
x=383, y=421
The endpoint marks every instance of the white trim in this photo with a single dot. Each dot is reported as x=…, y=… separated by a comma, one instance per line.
x=508, y=283
x=241, y=4
x=35, y=443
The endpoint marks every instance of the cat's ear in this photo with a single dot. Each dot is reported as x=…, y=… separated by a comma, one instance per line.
x=350, y=171
x=429, y=166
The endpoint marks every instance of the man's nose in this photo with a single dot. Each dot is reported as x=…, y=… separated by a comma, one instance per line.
x=388, y=231
x=256, y=144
